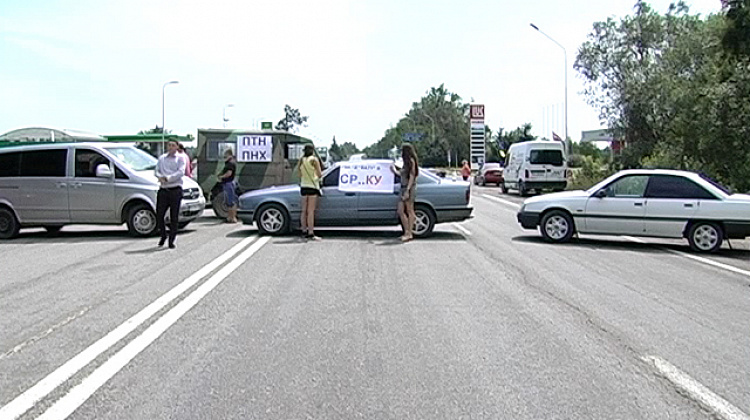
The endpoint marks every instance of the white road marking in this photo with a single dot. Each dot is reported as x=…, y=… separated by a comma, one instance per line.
x=462, y=229
x=704, y=396
x=41, y=389
x=66, y=405
x=500, y=200
x=707, y=261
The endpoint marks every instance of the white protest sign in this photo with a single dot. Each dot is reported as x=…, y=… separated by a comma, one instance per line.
x=252, y=148
x=366, y=177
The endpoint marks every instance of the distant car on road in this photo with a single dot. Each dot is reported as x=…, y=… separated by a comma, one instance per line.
x=276, y=210
x=656, y=203
x=489, y=173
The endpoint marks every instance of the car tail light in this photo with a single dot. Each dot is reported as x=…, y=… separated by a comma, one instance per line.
x=526, y=172
x=468, y=194
x=565, y=173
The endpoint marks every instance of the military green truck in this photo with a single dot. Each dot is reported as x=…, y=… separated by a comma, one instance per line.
x=264, y=158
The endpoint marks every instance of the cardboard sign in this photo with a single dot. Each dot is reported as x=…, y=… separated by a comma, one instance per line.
x=366, y=177
x=251, y=148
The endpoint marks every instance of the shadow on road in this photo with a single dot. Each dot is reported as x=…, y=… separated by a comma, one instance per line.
x=378, y=237
x=625, y=245
x=81, y=236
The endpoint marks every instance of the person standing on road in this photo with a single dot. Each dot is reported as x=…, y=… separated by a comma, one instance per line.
x=465, y=170
x=228, y=185
x=169, y=170
x=408, y=173
x=309, y=173
x=186, y=157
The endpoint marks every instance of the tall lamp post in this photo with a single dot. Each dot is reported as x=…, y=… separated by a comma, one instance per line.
x=173, y=82
x=224, y=114
x=565, y=55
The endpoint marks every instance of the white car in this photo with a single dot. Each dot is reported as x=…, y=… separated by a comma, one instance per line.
x=643, y=202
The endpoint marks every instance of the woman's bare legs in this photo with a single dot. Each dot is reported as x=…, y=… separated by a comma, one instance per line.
x=311, y=205
x=410, y=219
x=303, y=215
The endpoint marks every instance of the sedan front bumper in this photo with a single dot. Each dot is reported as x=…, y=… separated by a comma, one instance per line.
x=528, y=220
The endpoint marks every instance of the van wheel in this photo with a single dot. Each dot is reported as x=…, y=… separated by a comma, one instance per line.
x=9, y=225
x=522, y=191
x=424, y=222
x=705, y=237
x=219, y=204
x=272, y=219
x=557, y=226
x=141, y=220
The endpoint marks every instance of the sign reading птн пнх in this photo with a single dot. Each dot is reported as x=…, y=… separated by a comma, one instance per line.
x=254, y=148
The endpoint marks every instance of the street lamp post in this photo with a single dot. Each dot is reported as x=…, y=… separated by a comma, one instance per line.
x=565, y=55
x=173, y=82
x=224, y=114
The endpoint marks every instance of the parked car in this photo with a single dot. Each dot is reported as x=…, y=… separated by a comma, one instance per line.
x=489, y=173
x=656, y=203
x=535, y=165
x=276, y=210
x=56, y=184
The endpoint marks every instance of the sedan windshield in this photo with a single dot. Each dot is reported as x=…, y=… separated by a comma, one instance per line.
x=133, y=158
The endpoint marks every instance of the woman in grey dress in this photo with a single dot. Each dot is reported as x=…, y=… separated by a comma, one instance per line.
x=408, y=173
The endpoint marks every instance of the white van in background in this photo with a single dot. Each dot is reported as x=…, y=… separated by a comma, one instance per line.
x=535, y=165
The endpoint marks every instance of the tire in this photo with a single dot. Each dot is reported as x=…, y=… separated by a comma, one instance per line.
x=503, y=188
x=557, y=226
x=9, y=225
x=53, y=228
x=522, y=191
x=272, y=219
x=219, y=204
x=705, y=237
x=141, y=220
x=424, y=221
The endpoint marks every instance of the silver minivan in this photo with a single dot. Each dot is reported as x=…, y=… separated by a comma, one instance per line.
x=56, y=184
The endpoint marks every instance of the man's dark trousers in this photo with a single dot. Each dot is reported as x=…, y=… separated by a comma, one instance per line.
x=168, y=198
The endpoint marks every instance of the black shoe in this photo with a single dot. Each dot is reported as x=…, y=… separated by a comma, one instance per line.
x=171, y=246
x=161, y=242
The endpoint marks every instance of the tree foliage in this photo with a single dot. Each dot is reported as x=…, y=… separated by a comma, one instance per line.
x=669, y=87
x=441, y=118
x=292, y=119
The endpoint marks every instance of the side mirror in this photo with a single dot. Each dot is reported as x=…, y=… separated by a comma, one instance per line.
x=600, y=194
x=103, y=171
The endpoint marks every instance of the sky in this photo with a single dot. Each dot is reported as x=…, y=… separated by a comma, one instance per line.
x=354, y=67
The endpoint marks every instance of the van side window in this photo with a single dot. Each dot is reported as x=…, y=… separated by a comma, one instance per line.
x=44, y=163
x=10, y=164
x=87, y=161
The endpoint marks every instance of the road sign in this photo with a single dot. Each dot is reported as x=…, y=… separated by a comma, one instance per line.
x=266, y=125
x=409, y=137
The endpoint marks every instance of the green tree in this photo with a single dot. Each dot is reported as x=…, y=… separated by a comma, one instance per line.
x=292, y=119
x=673, y=89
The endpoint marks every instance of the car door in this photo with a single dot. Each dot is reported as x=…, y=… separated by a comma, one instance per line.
x=92, y=199
x=379, y=208
x=619, y=208
x=43, y=186
x=671, y=201
x=336, y=208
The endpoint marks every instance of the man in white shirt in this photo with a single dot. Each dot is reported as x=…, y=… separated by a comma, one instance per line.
x=170, y=169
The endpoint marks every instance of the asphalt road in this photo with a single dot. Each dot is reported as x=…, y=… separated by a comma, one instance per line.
x=484, y=320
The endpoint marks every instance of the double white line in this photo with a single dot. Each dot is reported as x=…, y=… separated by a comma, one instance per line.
x=78, y=395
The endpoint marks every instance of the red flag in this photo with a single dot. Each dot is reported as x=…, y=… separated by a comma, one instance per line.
x=555, y=137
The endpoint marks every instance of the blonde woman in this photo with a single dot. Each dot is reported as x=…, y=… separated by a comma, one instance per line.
x=309, y=173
